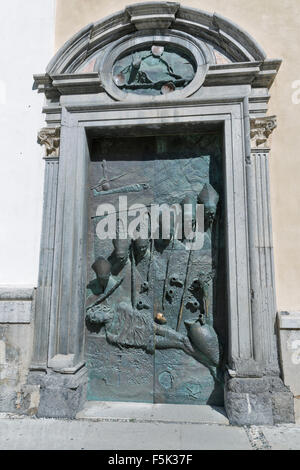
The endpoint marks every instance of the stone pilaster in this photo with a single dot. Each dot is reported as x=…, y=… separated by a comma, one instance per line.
x=49, y=137
x=263, y=290
x=61, y=388
x=259, y=395
x=66, y=334
x=265, y=336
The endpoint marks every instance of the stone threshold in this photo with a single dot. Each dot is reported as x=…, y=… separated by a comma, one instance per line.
x=149, y=412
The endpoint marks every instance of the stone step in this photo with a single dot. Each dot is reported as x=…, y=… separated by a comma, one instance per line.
x=149, y=412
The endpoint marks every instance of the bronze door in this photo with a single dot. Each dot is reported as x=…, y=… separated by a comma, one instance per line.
x=156, y=316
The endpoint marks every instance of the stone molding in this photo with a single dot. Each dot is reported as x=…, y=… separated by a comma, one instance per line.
x=199, y=53
x=249, y=64
x=152, y=15
x=260, y=131
x=67, y=84
x=15, y=311
x=55, y=86
x=15, y=304
x=213, y=28
x=50, y=138
x=289, y=320
x=16, y=293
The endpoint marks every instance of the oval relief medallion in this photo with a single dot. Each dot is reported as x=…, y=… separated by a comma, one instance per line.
x=154, y=70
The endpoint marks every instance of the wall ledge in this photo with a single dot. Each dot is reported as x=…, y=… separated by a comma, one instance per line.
x=16, y=304
x=16, y=293
x=289, y=320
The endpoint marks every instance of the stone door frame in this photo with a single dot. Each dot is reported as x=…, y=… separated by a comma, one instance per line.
x=76, y=109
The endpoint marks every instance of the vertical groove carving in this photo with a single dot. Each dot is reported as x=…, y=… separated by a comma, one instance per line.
x=264, y=248
x=43, y=298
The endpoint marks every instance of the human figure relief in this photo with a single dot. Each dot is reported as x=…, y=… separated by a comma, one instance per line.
x=125, y=304
x=125, y=326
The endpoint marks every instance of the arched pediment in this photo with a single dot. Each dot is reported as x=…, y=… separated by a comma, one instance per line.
x=115, y=55
x=222, y=35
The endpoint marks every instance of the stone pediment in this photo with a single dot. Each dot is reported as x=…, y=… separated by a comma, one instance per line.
x=217, y=50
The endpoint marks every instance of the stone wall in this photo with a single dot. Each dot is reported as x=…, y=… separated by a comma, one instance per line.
x=275, y=25
x=16, y=335
x=289, y=338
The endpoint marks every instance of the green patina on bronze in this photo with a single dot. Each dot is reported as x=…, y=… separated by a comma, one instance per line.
x=156, y=315
x=154, y=70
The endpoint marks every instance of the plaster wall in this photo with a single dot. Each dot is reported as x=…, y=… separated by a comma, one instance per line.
x=275, y=24
x=26, y=46
x=15, y=355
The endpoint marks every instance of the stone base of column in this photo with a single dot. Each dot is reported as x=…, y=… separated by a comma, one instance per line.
x=258, y=401
x=61, y=395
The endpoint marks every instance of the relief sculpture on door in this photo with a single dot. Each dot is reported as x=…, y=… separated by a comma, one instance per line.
x=152, y=300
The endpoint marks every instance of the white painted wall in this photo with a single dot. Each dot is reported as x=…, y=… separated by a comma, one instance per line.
x=26, y=46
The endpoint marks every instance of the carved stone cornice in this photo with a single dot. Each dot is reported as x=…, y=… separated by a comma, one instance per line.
x=50, y=137
x=260, y=131
x=67, y=84
x=43, y=84
x=152, y=15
